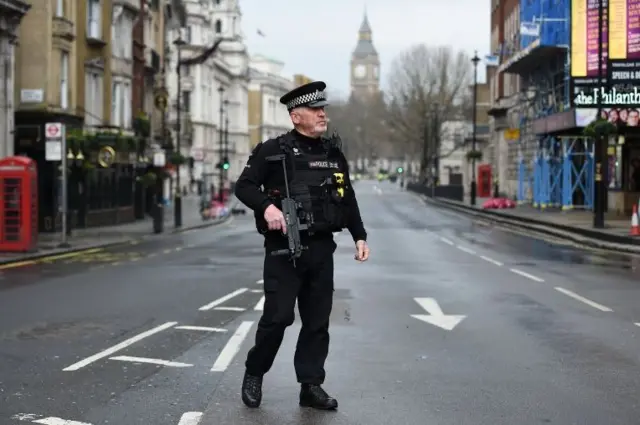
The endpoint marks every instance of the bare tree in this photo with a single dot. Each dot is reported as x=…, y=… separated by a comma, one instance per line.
x=361, y=123
x=424, y=79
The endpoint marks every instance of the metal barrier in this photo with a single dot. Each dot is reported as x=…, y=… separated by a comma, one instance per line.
x=451, y=192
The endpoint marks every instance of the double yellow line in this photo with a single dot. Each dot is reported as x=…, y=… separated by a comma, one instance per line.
x=49, y=258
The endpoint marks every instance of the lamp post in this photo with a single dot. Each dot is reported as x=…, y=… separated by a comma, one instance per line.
x=221, y=141
x=177, y=206
x=600, y=151
x=225, y=157
x=475, y=59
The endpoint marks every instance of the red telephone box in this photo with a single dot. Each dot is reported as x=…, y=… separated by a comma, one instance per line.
x=484, y=180
x=18, y=204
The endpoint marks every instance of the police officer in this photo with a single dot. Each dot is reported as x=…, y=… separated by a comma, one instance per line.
x=319, y=179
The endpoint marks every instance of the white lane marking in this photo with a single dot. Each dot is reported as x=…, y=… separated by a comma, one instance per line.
x=231, y=349
x=51, y=420
x=465, y=249
x=220, y=300
x=492, y=261
x=527, y=275
x=447, y=241
x=257, y=291
x=260, y=305
x=637, y=324
x=583, y=299
x=201, y=328
x=120, y=346
x=230, y=308
x=149, y=361
x=260, y=282
x=190, y=418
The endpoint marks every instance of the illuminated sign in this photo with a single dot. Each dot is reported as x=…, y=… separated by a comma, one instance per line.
x=608, y=97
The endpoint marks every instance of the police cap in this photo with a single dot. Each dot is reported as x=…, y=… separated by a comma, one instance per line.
x=310, y=95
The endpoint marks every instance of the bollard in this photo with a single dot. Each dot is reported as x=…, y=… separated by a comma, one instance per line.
x=158, y=218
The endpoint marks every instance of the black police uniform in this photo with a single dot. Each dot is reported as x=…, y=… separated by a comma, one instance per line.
x=319, y=179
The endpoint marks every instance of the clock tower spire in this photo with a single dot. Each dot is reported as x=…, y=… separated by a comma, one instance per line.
x=365, y=63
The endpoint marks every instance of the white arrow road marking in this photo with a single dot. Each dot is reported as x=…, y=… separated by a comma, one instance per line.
x=118, y=347
x=436, y=317
x=190, y=418
x=51, y=420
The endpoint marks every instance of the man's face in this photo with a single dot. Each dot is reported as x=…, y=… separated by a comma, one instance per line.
x=632, y=120
x=312, y=121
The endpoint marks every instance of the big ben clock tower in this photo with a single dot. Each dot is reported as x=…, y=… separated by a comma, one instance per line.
x=365, y=64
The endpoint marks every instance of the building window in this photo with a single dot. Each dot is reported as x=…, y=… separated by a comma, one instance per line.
x=126, y=106
x=116, y=101
x=64, y=80
x=94, y=17
x=93, y=98
x=218, y=26
x=186, y=101
x=60, y=8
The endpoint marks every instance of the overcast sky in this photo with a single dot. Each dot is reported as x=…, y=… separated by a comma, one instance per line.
x=316, y=38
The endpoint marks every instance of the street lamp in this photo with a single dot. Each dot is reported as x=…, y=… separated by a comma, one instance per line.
x=475, y=59
x=225, y=157
x=177, y=206
x=221, y=141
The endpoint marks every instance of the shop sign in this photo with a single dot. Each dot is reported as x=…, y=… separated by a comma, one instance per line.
x=607, y=97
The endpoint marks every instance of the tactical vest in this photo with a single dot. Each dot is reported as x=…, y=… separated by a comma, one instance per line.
x=318, y=182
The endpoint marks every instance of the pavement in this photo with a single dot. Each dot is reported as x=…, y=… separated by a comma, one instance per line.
x=99, y=237
x=449, y=323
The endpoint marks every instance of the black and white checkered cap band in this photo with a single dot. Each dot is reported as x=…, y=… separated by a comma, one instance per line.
x=306, y=98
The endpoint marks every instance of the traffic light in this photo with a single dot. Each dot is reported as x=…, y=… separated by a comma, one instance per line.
x=225, y=163
x=400, y=170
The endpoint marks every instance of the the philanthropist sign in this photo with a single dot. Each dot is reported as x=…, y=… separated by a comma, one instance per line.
x=602, y=96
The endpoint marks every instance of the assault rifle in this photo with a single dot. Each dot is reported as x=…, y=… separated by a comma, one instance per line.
x=290, y=210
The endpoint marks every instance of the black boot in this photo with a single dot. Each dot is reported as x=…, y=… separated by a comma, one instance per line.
x=251, y=390
x=312, y=395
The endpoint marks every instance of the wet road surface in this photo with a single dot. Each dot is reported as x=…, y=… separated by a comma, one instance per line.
x=451, y=322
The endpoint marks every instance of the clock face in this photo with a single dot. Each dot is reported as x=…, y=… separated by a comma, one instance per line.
x=360, y=71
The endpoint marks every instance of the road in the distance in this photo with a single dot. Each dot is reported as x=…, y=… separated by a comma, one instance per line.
x=157, y=333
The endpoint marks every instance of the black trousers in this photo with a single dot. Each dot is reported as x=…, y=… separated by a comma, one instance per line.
x=311, y=283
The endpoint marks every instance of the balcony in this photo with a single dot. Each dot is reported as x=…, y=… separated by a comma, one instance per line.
x=151, y=61
x=63, y=28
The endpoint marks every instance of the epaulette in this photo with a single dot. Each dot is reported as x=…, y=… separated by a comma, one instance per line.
x=286, y=143
x=333, y=144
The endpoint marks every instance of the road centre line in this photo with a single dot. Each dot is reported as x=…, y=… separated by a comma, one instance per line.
x=447, y=241
x=230, y=308
x=260, y=305
x=150, y=361
x=260, y=282
x=221, y=300
x=257, y=291
x=190, y=418
x=491, y=260
x=583, y=299
x=118, y=347
x=231, y=348
x=465, y=249
x=201, y=328
x=527, y=275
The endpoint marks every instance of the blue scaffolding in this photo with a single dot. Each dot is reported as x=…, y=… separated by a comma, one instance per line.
x=560, y=172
